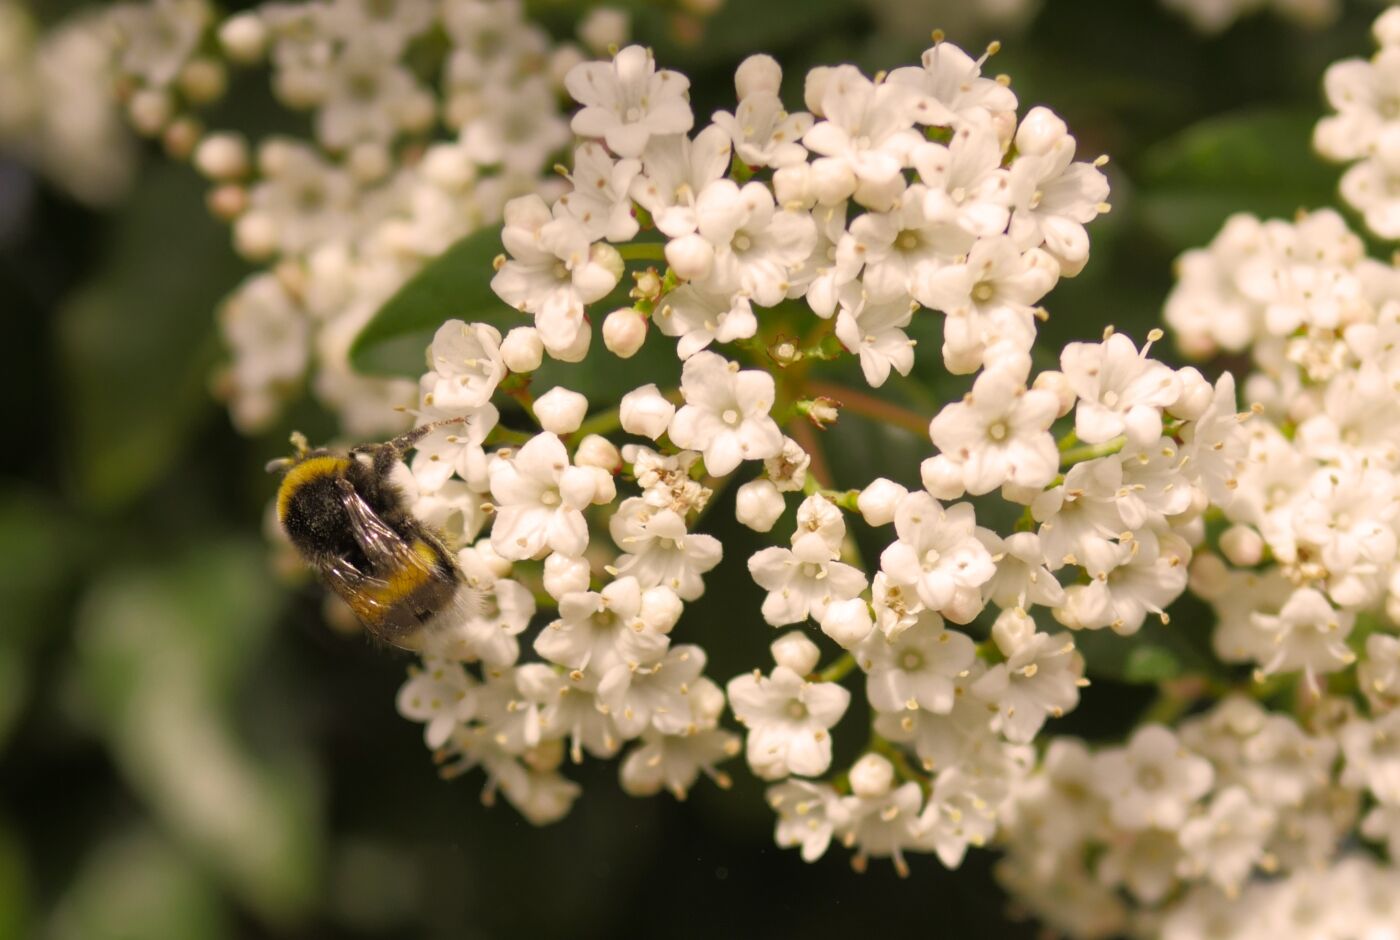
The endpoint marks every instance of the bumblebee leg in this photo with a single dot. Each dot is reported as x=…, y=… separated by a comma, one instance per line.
x=390, y=451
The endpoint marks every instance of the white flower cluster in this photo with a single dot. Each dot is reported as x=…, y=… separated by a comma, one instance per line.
x=1236, y=826
x=1365, y=130
x=56, y=111
x=339, y=222
x=1216, y=16
x=1311, y=543
x=344, y=222
x=889, y=196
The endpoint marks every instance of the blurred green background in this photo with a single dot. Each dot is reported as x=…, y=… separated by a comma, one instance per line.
x=186, y=750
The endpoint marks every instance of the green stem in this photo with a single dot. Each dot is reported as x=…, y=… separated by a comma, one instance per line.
x=604, y=423
x=838, y=670
x=1074, y=455
x=642, y=251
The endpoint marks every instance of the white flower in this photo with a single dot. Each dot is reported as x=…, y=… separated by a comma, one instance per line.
x=466, y=366
x=1153, y=781
x=997, y=283
x=1228, y=841
x=808, y=815
x=937, y=555
x=725, y=413
x=675, y=170
x=599, y=630
x=676, y=761
x=639, y=696
x=1120, y=390
x=659, y=550
x=883, y=823
x=763, y=132
x=600, y=198
x=867, y=135
x=370, y=97
x=569, y=708
x=1372, y=752
x=917, y=668
x=552, y=271
x=503, y=610
x=1150, y=572
x=1215, y=445
x=442, y=695
x=966, y=184
x=875, y=332
x=1022, y=578
x=1363, y=94
x=804, y=580
x=646, y=411
x=627, y=101
x=952, y=89
x=519, y=123
x=999, y=433
x=744, y=242
x=700, y=316
x=1308, y=633
x=1054, y=198
x=898, y=252
x=539, y=499
x=787, y=719
x=1039, y=678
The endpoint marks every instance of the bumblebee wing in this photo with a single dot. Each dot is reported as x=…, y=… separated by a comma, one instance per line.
x=409, y=579
x=386, y=549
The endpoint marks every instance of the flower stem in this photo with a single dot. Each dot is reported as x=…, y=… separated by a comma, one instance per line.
x=871, y=407
x=837, y=670
x=642, y=251
x=1074, y=455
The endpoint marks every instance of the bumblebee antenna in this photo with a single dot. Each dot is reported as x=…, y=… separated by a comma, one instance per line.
x=300, y=448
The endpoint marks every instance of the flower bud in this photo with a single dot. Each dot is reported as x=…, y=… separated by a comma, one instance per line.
x=871, y=777
x=597, y=451
x=756, y=75
x=877, y=502
x=575, y=351
x=832, y=181
x=758, y=505
x=255, y=236
x=578, y=485
x=203, y=80
x=222, y=156
x=1242, y=546
x=560, y=410
x=661, y=608
x=1056, y=382
x=1209, y=576
x=646, y=411
x=561, y=63
x=446, y=166
x=565, y=575
x=795, y=651
x=605, y=487
x=1386, y=29
x=792, y=186
x=814, y=88
x=1041, y=129
x=624, y=331
x=604, y=27
x=369, y=161
x=1195, y=397
x=848, y=622
x=522, y=350
x=1012, y=630
x=243, y=37
x=150, y=109
x=690, y=256
x=941, y=477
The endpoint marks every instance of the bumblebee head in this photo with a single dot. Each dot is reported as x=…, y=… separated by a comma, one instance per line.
x=300, y=450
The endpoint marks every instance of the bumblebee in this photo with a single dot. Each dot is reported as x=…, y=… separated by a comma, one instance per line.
x=353, y=526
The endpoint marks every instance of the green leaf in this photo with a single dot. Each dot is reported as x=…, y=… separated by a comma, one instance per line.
x=456, y=284
x=1157, y=651
x=137, y=884
x=164, y=652
x=137, y=343
x=1258, y=161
